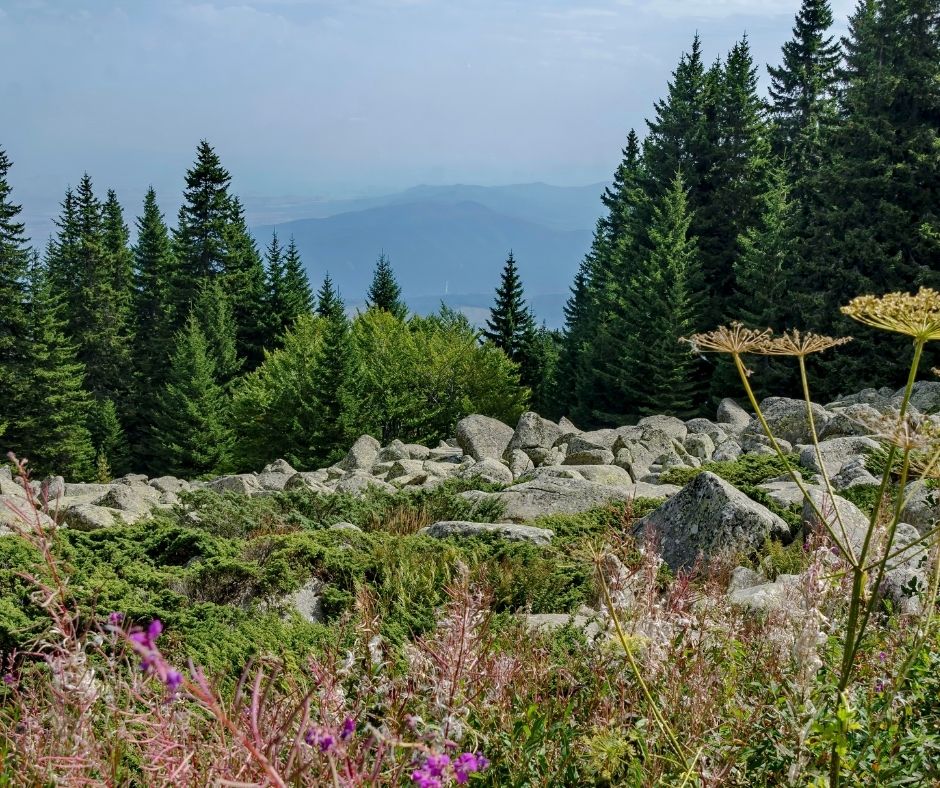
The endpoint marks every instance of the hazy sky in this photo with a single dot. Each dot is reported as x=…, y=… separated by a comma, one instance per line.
x=339, y=98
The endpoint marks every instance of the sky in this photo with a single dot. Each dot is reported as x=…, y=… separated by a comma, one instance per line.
x=343, y=98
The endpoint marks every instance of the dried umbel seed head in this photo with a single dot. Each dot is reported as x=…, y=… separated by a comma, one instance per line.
x=737, y=339
x=916, y=316
x=796, y=343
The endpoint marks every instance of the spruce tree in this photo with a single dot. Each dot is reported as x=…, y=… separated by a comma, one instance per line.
x=882, y=190
x=213, y=311
x=193, y=438
x=662, y=308
x=244, y=281
x=574, y=342
x=803, y=91
x=278, y=320
x=53, y=413
x=510, y=320
x=112, y=449
x=329, y=301
x=298, y=297
x=155, y=274
x=14, y=318
x=116, y=239
x=200, y=235
x=331, y=368
x=384, y=292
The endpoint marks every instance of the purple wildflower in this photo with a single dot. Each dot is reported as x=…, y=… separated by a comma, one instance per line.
x=880, y=685
x=9, y=679
x=317, y=737
x=173, y=679
x=468, y=763
x=348, y=729
x=882, y=656
x=115, y=618
x=436, y=764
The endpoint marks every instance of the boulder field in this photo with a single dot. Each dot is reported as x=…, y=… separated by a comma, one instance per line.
x=540, y=468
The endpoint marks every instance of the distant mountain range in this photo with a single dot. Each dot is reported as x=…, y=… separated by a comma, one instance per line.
x=445, y=242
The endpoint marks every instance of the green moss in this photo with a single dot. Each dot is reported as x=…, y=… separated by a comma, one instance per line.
x=749, y=469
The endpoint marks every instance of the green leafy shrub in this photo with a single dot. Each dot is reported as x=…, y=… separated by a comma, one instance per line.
x=749, y=469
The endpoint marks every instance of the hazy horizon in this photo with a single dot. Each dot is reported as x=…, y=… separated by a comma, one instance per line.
x=330, y=100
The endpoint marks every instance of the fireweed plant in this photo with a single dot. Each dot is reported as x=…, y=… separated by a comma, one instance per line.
x=913, y=451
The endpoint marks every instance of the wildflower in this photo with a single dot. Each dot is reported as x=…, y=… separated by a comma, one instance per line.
x=795, y=343
x=9, y=679
x=317, y=737
x=173, y=679
x=348, y=729
x=115, y=618
x=468, y=763
x=431, y=772
x=880, y=685
x=916, y=316
x=735, y=340
x=882, y=656
x=148, y=638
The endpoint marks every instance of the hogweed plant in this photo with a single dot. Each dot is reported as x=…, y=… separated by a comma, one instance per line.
x=913, y=451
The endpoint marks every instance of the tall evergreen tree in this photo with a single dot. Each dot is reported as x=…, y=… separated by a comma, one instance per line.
x=193, y=438
x=803, y=90
x=200, y=235
x=329, y=301
x=574, y=345
x=97, y=303
x=155, y=275
x=116, y=240
x=510, y=320
x=663, y=307
x=278, y=319
x=244, y=279
x=331, y=369
x=298, y=297
x=882, y=189
x=14, y=318
x=53, y=413
x=112, y=448
x=384, y=292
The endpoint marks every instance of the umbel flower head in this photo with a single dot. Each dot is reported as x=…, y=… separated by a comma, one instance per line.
x=795, y=343
x=917, y=315
x=737, y=339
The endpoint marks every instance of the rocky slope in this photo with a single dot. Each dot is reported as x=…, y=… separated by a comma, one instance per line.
x=540, y=468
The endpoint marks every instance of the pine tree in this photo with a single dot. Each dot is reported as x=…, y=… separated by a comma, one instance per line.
x=803, y=91
x=244, y=281
x=384, y=292
x=329, y=301
x=116, y=240
x=739, y=176
x=111, y=446
x=155, y=273
x=574, y=339
x=882, y=190
x=53, y=413
x=298, y=298
x=200, y=235
x=278, y=319
x=193, y=438
x=213, y=311
x=662, y=307
x=97, y=313
x=331, y=369
x=509, y=319
x=14, y=317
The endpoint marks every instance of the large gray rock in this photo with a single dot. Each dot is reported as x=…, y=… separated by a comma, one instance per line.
x=835, y=453
x=417, y=452
x=645, y=451
x=361, y=455
x=519, y=462
x=673, y=427
x=733, y=416
x=406, y=467
x=12, y=488
x=587, y=620
x=755, y=441
x=700, y=446
x=241, y=483
x=279, y=466
x=546, y=496
x=728, y=450
x=509, y=531
x=482, y=437
x=170, y=484
x=88, y=517
x=359, y=482
x=857, y=419
x=710, y=516
x=307, y=601
x=535, y=436
x=848, y=523
x=274, y=481
x=487, y=470
x=784, y=593
x=597, y=456
x=611, y=475
x=925, y=396
x=717, y=432
x=15, y=513
x=788, y=419
x=127, y=499
x=307, y=480
x=52, y=489
x=921, y=506
x=567, y=426
x=396, y=450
